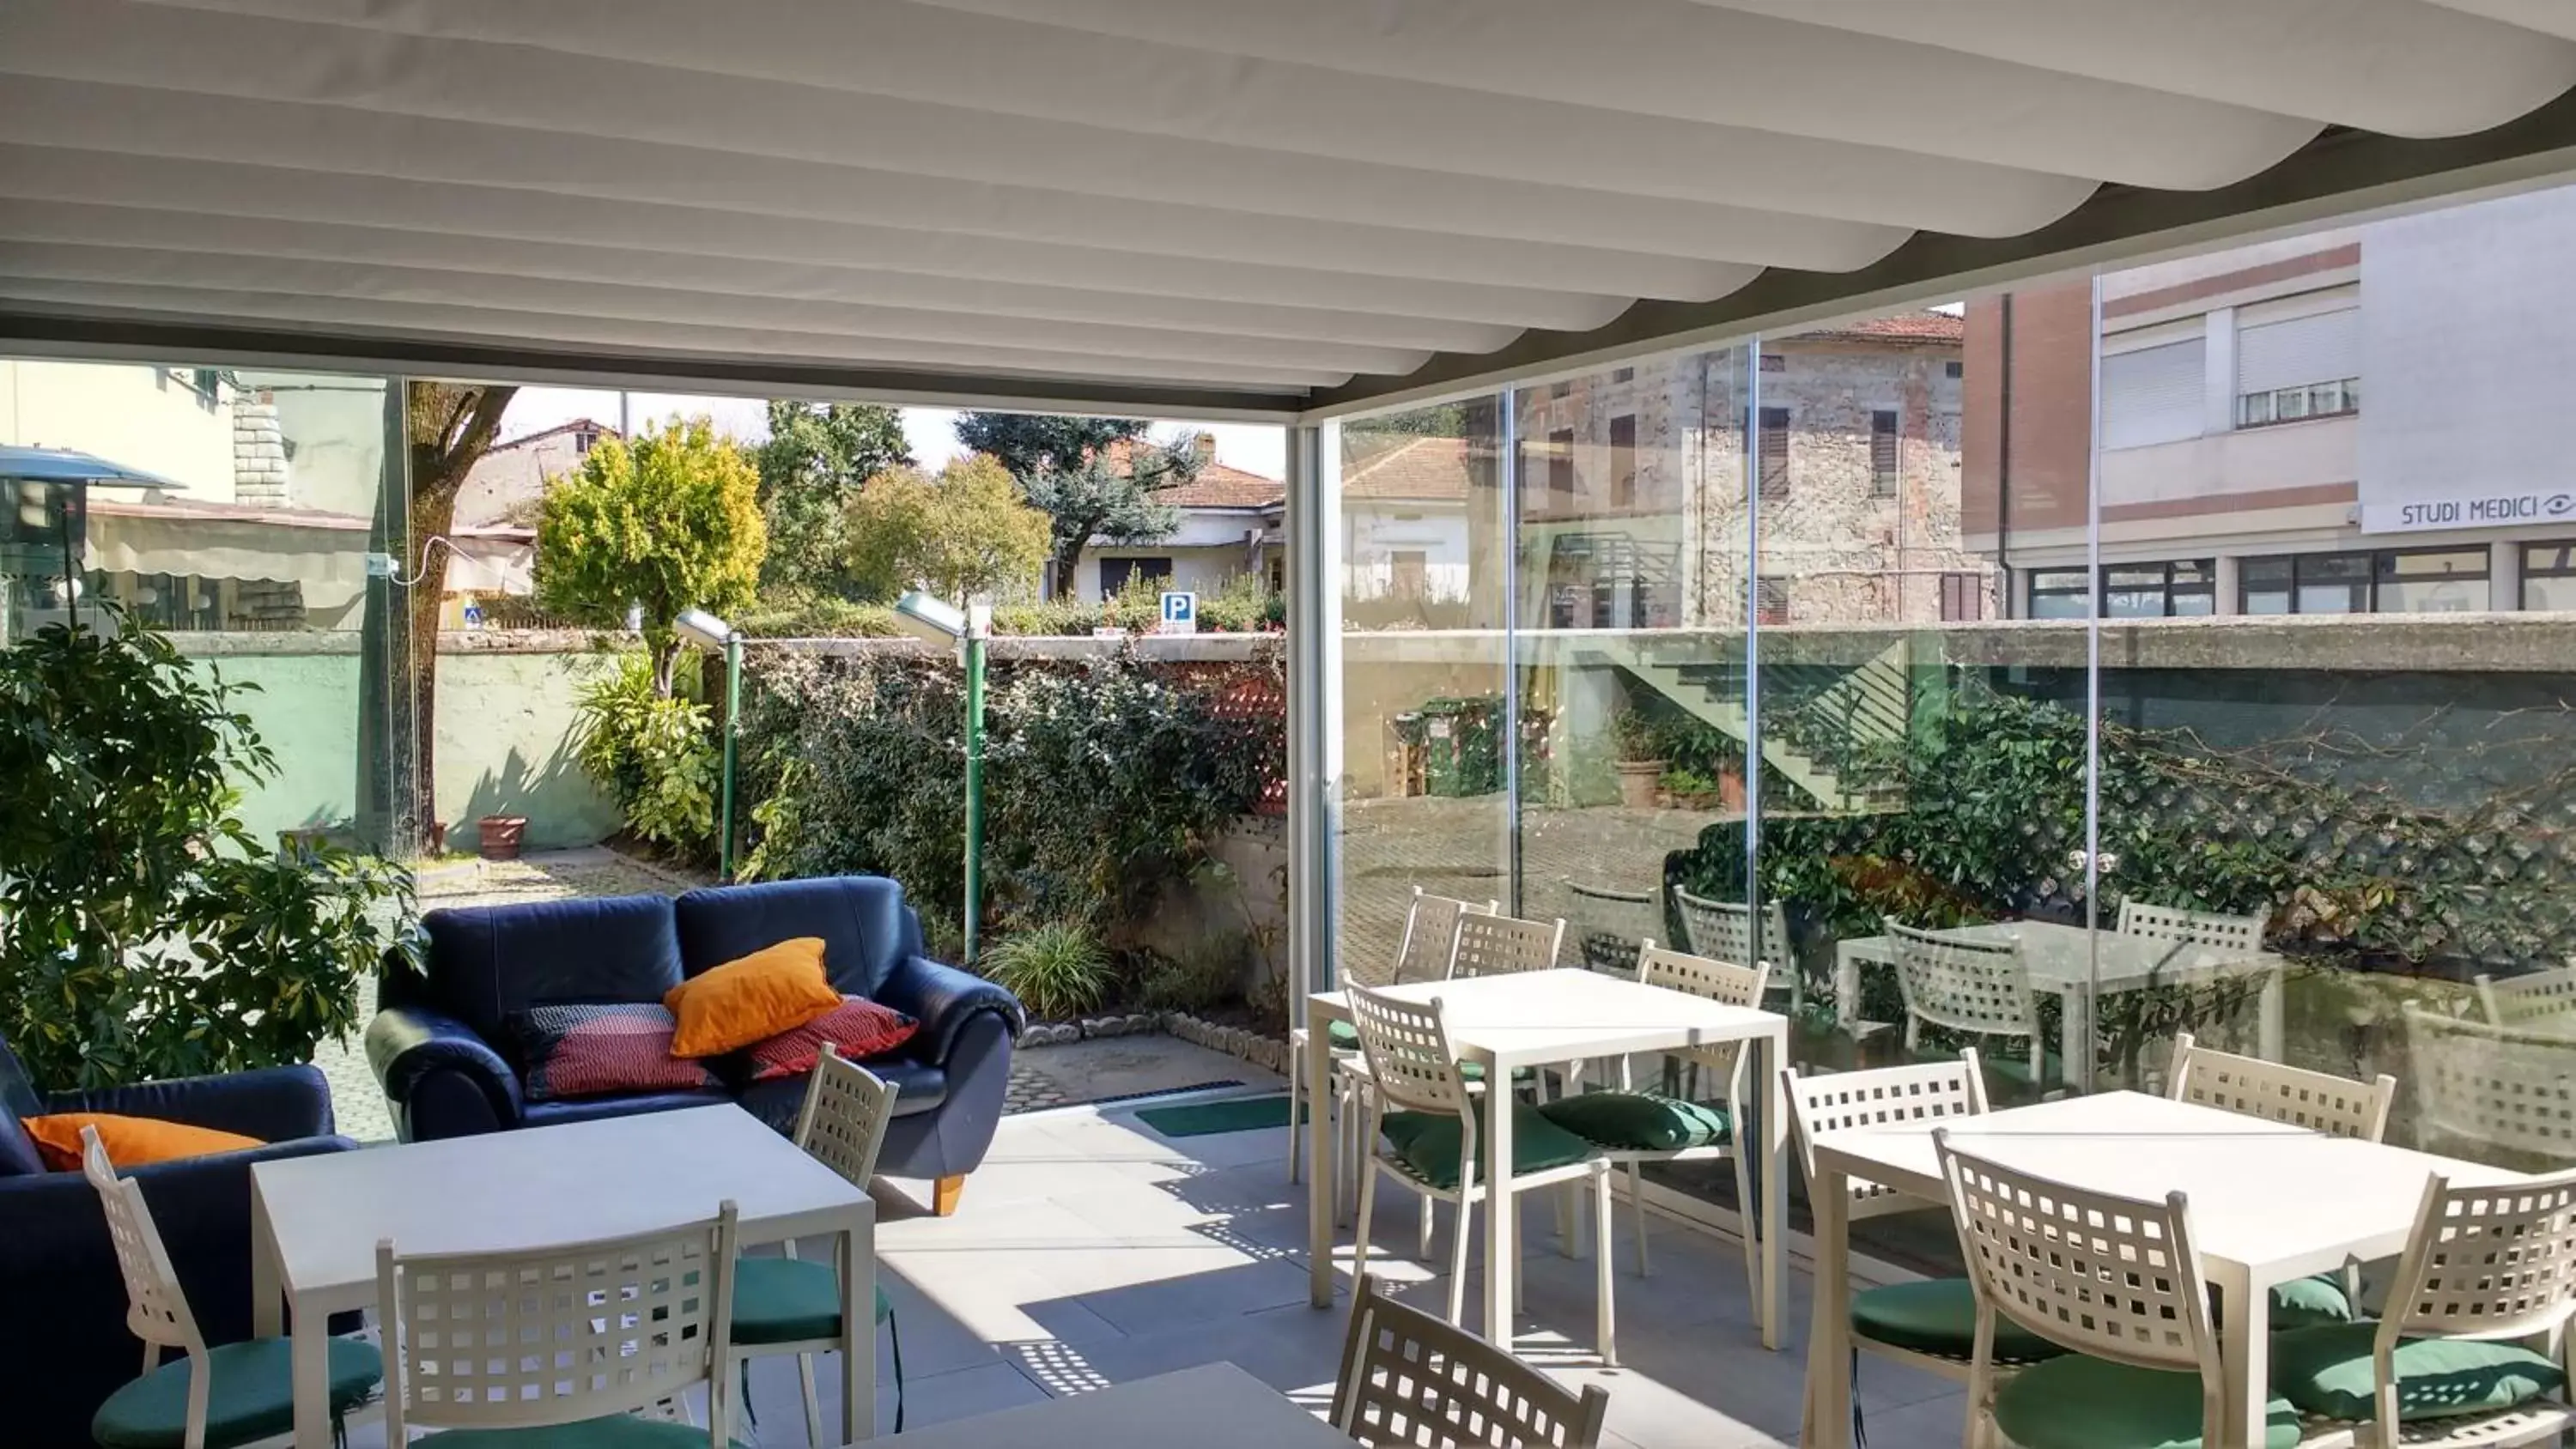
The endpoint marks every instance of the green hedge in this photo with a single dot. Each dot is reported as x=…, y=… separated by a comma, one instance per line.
x=1244, y=606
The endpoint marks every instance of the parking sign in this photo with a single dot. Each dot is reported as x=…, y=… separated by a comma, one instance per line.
x=1180, y=612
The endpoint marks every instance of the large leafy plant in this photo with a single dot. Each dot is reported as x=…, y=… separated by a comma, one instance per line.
x=652, y=752
x=144, y=933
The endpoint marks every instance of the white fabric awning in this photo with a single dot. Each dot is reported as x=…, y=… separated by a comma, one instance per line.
x=1239, y=196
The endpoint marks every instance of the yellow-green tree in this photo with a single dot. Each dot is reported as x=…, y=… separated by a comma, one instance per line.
x=671, y=522
x=960, y=532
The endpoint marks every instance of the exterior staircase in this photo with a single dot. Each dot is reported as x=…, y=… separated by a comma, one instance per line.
x=1867, y=702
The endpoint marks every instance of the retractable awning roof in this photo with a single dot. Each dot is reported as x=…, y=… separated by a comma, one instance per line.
x=1211, y=206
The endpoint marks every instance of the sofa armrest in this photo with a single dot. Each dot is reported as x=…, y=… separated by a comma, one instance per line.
x=943, y=999
x=407, y=1045
x=273, y=1104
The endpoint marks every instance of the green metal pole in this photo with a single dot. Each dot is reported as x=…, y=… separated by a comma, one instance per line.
x=974, y=790
x=733, y=722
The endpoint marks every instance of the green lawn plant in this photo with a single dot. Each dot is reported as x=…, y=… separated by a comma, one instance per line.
x=144, y=932
x=1058, y=969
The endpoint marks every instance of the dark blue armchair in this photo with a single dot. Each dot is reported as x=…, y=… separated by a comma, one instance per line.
x=54, y=1249
x=442, y=1048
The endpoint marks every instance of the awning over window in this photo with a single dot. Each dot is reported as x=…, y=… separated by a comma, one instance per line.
x=324, y=552
x=1244, y=199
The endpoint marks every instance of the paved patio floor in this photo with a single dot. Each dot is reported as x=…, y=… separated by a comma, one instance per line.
x=1090, y=1250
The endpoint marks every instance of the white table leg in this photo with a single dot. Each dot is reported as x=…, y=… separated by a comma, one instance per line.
x=309, y=1374
x=1846, y=986
x=1322, y=1174
x=1775, y=1187
x=1828, y=1334
x=2245, y=1355
x=2075, y=1035
x=1502, y=1229
x=859, y=1331
x=2268, y=1015
x=267, y=1282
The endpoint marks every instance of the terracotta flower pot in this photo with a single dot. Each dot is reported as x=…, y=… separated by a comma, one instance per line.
x=438, y=837
x=1730, y=790
x=1638, y=782
x=501, y=836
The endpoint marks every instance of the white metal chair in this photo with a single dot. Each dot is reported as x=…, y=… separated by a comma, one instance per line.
x=1929, y=1323
x=2116, y=1281
x=2199, y=928
x=785, y=1305
x=1981, y=988
x=1493, y=945
x=517, y=1345
x=1609, y=923
x=2318, y=1101
x=255, y=1376
x=2503, y=1094
x=1430, y=1141
x=1610, y=1119
x=1727, y=931
x=2538, y=1001
x=1410, y=1381
x=1423, y=954
x=2492, y=1264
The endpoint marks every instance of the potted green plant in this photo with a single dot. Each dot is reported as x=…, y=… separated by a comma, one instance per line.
x=1640, y=765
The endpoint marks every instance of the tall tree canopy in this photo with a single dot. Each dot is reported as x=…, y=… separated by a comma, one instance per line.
x=811, y=467
x=1094, y=478
x=670, y=522
x=961, y=532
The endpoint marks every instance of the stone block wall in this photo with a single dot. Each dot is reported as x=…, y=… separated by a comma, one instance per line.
x=259, y=452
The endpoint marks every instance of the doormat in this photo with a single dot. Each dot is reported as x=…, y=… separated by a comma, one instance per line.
x=1032, y=1091
x=1234, y=1114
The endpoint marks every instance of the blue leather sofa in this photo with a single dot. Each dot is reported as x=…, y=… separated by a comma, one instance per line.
x=446, y=1060
x=64, y=1346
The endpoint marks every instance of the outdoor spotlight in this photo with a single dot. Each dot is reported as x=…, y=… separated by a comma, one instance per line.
x=701, y=630
x=930, y=618
x=705, y=630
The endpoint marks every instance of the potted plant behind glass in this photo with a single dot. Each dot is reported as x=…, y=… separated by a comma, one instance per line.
x=501, y=835
x=1640, y=765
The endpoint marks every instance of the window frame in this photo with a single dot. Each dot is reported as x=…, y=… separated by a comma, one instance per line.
x=2565, y=548
x=2347, y=400
x=1623, y=461
x=1772, y=477
x=1132, y=565
x=1562, y=485
x=2170, y=586
x=1887, y=475
x=2306, y=571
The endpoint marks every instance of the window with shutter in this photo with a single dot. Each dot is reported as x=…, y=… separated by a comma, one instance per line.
x=1623, y=460
x=2298, y=368
x=1773, y=445
x=2154, y=394
x=1560, y=465
x=1882, y=454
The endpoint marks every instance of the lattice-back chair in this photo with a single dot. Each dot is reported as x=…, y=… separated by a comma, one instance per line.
x=1930, y=1323
x=2493, y=1264
x=1503, y=945
x=1690, y=1128
x=785, y=1304
x=2537, y=1001
x=519, y=1344
x=1410, y=1381
x=1981, y=988
x=1430, y=1141
x=2198, y=928
x=2492, y=1094
x=2114, y=1281
x=1421, y=954
x=2318, y=1101
x=173, y=1402
x=1728, y=931
x=1609, y=923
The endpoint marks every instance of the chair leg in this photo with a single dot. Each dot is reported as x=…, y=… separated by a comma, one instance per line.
x=1753, y=1230
x=894, y=1338
x=1459, y=1232
x=1607, y=1330
x=1637, y=1209
x=813, y=1406
x=1424, y=1251
x=1296, y=1136
x=1368, y=1214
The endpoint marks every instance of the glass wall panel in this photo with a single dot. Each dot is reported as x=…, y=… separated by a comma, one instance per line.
x=237, y=514
x=1427, y=703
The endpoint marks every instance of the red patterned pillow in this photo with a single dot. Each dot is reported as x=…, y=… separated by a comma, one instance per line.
x=589, y=1051
x=858, y=1028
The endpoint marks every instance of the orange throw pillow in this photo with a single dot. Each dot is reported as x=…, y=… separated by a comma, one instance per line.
x=754, y=998
x=130, y=1141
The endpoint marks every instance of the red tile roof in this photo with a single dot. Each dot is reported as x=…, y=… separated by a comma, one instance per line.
x=1216, y=486
x=1924, y=327
x=1425, y=468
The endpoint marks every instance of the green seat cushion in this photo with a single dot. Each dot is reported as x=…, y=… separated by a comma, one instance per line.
x=250, y=1395
x=2327, y=1371
x=2310, y=1303
x=2074, y=1402
x=1428, y=1142
x=1938, y=1316
x=1641, y=1121
x=614, y=1431
x=1345, y=1037
x=789, y=1300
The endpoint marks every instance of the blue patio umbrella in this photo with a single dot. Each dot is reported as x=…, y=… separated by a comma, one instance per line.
x=53, y=485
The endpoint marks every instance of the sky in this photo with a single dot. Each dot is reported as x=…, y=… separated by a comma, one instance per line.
x=931, y=431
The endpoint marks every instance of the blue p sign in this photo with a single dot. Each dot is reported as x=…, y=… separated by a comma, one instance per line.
x=1180, y=612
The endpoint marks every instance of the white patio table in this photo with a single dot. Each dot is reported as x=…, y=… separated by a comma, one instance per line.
x=2063, y=961
x=316, y=1220
x=2270, y=1204
x=1192, y=1408
x=1546, y=1019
